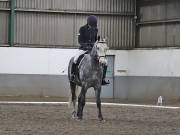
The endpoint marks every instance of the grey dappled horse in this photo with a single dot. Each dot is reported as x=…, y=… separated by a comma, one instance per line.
x=90, y=75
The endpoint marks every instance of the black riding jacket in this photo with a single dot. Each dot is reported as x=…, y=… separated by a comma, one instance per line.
x=87, y=37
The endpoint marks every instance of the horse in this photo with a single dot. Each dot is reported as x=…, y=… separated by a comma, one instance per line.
x=90, y=73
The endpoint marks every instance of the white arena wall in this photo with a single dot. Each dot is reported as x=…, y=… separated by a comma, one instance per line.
x=142, y=74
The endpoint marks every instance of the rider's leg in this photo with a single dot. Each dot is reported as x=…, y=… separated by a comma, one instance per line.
x=104, y=82
x=74, y=65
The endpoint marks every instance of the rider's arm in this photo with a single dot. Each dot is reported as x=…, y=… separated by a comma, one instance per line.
x=96, y=38
x=81, y=36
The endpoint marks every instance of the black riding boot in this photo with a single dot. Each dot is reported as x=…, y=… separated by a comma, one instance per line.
x=73, y=70
x=104, y=82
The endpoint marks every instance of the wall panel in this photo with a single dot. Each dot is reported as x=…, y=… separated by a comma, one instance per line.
x=4, y=4
x=152, y=36
x=158, y=23
x=44, y=29
x=4, y=19
x=4, y=27
x=55, y=23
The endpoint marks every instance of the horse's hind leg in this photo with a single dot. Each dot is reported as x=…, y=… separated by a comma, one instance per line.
x=81, y=103
x=73, y=98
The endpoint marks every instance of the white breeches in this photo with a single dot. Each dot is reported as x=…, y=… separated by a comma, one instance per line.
x=79, y=52
x=104, y=61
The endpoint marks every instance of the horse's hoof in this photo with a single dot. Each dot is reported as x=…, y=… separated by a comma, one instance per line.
x=73, y=115
x=101, y=119
x=79, y=119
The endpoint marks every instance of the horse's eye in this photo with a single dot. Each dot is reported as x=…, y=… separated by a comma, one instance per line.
x=98, y=48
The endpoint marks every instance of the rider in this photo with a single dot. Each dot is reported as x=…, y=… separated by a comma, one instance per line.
x=87, y=37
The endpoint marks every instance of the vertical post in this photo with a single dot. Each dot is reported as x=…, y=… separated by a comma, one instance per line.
x=11, y=22
x=75, y=28
x=165, y=25
x=136, y=27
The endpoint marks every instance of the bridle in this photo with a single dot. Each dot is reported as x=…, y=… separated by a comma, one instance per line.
x=101, y=56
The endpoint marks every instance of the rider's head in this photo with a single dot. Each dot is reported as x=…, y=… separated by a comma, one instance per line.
x=92, y=21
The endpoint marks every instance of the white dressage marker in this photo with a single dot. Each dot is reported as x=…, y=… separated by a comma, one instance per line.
x=91, y=103
x=160, y=100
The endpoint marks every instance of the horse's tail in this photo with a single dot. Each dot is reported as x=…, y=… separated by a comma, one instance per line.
x=70, y=67
x=73, y=87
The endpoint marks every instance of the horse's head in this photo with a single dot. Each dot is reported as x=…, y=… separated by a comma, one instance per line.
x=99, y=50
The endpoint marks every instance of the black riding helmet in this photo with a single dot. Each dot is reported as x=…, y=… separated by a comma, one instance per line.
x=92, y=20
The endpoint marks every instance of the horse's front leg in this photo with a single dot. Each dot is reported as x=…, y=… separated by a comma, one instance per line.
x=98, y=102
x=81, y=103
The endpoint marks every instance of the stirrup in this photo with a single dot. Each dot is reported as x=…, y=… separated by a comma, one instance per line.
x=104, y=82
